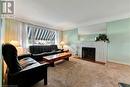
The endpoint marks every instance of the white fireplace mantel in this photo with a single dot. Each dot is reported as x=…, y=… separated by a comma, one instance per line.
x=101, y=50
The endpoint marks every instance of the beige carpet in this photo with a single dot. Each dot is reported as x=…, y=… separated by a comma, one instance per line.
x=81, y=73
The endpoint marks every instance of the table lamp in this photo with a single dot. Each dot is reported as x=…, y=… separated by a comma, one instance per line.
x=62, y=43
x=15, y=43
x=18, y=47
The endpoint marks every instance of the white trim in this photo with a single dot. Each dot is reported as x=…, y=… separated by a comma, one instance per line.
x=91, y=22
x=105, y=19
x=109, y=60
x=100, y=20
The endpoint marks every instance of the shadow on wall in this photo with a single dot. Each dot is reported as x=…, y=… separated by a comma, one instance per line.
x=72, y=48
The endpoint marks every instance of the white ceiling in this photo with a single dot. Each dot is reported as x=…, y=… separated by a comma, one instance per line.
x=68, y=14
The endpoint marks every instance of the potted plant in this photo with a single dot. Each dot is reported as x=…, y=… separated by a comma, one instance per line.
x=102, y=37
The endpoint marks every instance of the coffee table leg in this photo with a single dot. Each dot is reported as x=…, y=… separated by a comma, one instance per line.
x=52, y=64
x=67, y=58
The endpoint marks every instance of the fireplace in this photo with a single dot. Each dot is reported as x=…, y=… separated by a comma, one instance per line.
x=100, y=50
x=88, y=53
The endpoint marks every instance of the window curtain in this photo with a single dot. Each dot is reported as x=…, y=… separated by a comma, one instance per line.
x=58, y=37
x=16, y=31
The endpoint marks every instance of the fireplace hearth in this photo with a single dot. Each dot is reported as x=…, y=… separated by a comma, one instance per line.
x=88, y=53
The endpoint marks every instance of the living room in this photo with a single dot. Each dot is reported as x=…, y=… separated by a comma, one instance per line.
x=92, y=37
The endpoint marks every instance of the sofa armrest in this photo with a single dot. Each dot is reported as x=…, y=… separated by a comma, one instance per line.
x=39, y=56
x=59, y=50
x=24, y=56
x=34, y=67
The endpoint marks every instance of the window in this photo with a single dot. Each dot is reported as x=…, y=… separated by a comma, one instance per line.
x=40, y=35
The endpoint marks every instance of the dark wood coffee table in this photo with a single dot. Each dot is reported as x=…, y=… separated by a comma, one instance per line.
x=52, y=58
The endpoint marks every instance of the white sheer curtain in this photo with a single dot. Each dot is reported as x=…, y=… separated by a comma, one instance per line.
x=13, y=30
x=58, y=38
x=24, y=39
x=16, y=31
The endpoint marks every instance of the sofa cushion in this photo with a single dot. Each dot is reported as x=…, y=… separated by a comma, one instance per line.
x=36, y=49
x=46, y=48
x=54, y=47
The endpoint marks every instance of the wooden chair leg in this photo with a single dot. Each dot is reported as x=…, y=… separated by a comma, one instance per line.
x=45, y=76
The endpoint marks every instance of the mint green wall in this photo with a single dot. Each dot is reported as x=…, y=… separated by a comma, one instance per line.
x=119, y=46
x=70, y=36
x=88, y=37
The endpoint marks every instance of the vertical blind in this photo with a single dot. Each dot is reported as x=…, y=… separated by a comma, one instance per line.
x=36, y=33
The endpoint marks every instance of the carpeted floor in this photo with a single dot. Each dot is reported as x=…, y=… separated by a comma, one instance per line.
x=81, y=73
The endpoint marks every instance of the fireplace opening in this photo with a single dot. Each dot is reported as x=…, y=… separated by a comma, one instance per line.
x=88, y=53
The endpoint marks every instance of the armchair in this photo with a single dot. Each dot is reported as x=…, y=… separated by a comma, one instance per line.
x=23, y=71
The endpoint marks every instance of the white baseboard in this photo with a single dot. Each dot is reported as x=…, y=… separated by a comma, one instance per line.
x=120, y=62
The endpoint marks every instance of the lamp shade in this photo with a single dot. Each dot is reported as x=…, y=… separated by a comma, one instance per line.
x=15, y=43
x=62, y=43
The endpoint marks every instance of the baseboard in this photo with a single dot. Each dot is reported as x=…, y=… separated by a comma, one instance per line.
x=100, y=62
x=118, y=62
